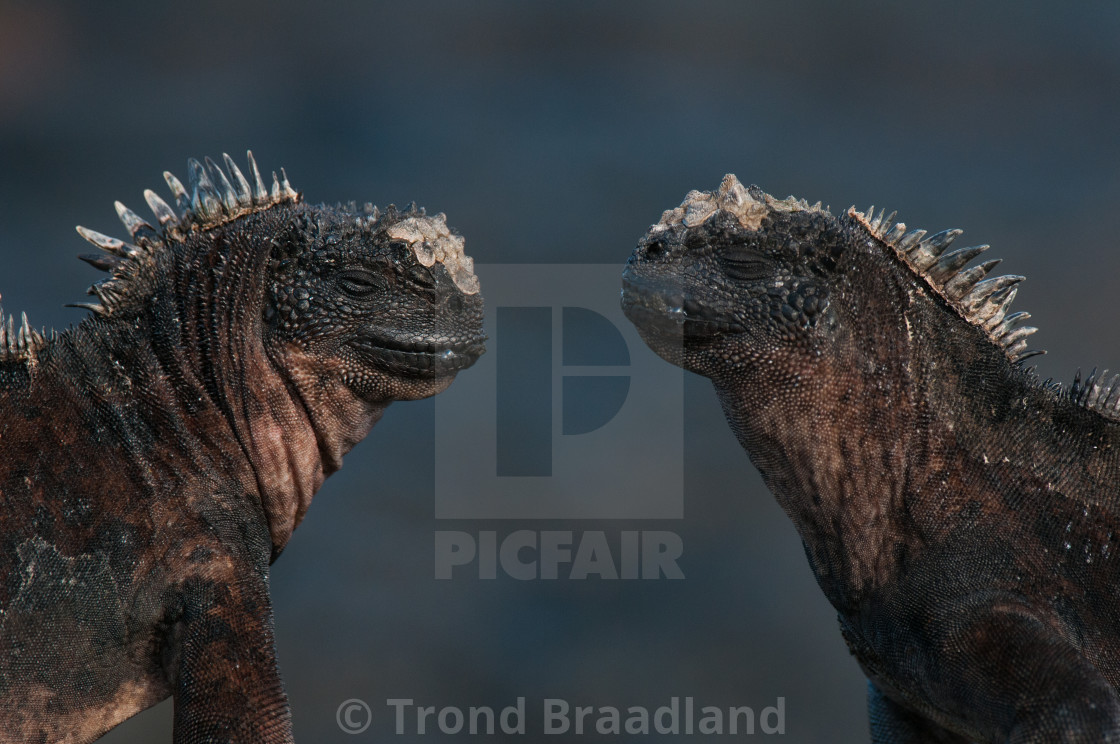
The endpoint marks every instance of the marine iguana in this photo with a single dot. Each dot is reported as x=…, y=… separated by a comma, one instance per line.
x=155, y=458
x=960, y=515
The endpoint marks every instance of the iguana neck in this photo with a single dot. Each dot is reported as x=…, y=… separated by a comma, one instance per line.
x=310, y=422
x=207, y=330
x=876, y=450
x=299, y=428
x=840, y=474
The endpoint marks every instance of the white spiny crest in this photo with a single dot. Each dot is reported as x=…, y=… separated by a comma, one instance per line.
x=161, y=209
x=20, y=343
x=213, y=198
x=132, y=221
x=1097, y=393
x=981, y=301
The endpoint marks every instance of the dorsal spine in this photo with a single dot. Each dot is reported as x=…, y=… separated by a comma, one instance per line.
x=18, y=343
x=982, y=302
x=214, y=198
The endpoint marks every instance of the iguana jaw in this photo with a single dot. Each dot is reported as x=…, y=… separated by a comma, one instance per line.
x=669, y=319
x=429, y=359
x=678, y=305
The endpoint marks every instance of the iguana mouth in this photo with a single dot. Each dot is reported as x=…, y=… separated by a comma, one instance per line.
x=420, y=359
x=671, y=312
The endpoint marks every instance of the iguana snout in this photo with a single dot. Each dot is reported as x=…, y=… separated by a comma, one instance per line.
x=708, y=285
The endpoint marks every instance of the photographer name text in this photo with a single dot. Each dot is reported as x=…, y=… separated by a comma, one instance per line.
x=562, y=717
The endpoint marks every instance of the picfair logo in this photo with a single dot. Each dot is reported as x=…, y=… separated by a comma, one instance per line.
x=526, y=368
x=569, y=415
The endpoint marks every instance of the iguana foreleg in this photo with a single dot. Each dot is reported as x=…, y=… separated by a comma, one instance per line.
x=227, y=685
x=1012, y=676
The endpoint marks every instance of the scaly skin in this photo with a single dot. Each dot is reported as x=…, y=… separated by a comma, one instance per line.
x=960, y=516
x=155, y=459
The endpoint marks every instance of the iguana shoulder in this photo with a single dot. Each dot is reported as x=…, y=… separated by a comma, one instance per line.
x=959, y=513
x=155, y=458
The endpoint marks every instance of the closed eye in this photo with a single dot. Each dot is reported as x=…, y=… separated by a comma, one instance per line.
x=745, y=264
x=361, y=284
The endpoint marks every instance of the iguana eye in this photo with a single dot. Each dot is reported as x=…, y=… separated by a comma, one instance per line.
x=745, y=264
x=421, y=276
x=360, y=284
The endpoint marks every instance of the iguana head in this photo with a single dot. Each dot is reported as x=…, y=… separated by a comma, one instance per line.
x=732, y=278
x=389, y=298
x=384, y=303
x=734, y=283
x=286, y=325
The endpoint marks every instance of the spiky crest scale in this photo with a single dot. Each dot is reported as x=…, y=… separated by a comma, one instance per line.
x=1097, y=392
x=18, y=343
x=213, y=199
x=981, y=301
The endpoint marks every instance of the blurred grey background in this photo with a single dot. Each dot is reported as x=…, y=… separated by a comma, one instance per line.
x=556, y=133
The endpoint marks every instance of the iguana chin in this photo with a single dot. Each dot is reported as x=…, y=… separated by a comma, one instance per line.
x=961, y=516
x=155, y=458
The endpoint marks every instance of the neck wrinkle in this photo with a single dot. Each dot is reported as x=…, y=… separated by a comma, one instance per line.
x=220, y=289
x=314, y=420
x=285, y=453
x=291, y=428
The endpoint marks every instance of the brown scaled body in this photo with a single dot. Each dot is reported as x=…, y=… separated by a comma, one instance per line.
x=961, y=516
x=155, y=459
